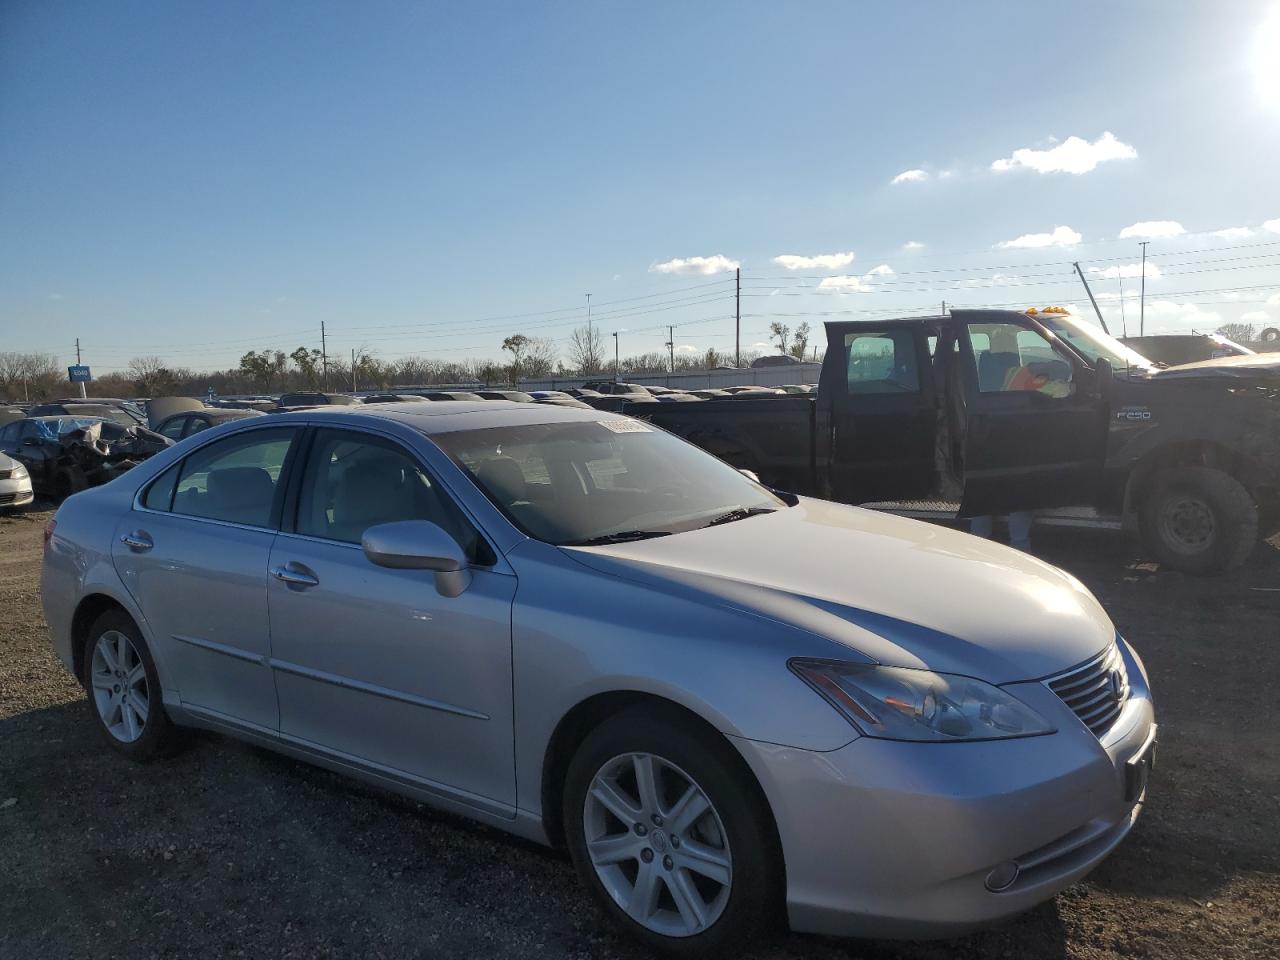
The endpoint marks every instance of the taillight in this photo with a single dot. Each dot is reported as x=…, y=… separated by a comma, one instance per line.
x=48, y=533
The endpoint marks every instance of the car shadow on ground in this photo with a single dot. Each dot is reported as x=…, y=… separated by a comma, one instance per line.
x=226, y=841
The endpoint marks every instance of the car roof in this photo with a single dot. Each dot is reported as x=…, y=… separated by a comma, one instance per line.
x=431, y=418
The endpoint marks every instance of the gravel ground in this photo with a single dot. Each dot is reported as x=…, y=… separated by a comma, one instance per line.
x=231, y=851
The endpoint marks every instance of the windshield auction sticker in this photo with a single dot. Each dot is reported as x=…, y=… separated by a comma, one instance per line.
x=625, y=426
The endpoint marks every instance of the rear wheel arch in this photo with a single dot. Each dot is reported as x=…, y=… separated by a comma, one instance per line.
x=87, y=612
x=586, y=716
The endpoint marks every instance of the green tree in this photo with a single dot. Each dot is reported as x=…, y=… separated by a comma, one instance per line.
x=516, y=345
x=800, y=341
x=307, y=360
x=780, y=332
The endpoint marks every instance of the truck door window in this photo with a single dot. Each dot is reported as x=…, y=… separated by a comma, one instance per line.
x=883, y=362
x=1013, y=359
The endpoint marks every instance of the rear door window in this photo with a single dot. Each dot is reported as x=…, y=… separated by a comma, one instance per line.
x=235, y=480
x=882, y=362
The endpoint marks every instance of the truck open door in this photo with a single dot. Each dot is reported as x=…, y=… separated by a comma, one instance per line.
x=878, y=408
x=1036, y=423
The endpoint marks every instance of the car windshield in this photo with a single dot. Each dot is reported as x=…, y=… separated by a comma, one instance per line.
x=602, y=481
x=1093, y=342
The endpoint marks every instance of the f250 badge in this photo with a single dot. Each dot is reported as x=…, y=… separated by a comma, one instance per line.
x=1133, y=413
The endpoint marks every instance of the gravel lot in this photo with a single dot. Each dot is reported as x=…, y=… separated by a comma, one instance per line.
x=230, y=851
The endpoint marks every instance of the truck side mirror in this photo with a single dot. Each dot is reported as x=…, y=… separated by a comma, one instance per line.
x=1106, y=377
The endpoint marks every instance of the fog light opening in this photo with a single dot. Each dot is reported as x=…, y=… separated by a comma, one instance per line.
x=1002, y=876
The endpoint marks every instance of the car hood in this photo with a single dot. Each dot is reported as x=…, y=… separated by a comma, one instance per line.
x=895, y=591
x=1246, y=365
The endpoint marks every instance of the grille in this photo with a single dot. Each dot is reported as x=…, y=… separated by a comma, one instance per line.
x=8, y=497
x=1096, y=690
x=4, y=474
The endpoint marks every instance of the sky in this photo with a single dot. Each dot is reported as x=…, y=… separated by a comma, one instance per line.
x=194, y=180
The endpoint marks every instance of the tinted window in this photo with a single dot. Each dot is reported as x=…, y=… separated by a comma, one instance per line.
x=883, y=362
x=173, y=428
x=10, y=433
x=353, y=481
x=234, y=479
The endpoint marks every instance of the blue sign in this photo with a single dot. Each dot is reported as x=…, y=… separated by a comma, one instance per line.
x=78, y=374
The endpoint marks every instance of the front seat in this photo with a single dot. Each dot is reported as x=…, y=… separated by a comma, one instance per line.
x=239, y=495
x=369, y=493
x=994, y=369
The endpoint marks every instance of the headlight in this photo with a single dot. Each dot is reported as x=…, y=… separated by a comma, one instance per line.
x=19, y=472
x=894, y=703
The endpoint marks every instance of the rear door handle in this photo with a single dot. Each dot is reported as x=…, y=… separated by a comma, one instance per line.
x=295, y=575
x=138, y=540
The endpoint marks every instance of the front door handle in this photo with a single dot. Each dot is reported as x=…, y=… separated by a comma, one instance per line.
x=138, y=540
x=295, y=575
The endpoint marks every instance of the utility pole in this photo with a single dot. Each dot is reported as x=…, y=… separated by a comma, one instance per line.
x=1091, y=300
x=82, y=390
x=588, y=318
x=944, y=308
x=1124, y=326
x=615, y=356
x=353, y=369
x=1142, y=299
x=737, y=318
x=671, y=347
x=324, y=358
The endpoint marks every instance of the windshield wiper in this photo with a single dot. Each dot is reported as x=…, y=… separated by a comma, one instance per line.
x=737, y=513
x=624, y=536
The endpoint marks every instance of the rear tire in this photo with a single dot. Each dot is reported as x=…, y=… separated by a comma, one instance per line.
x=124, y=689
x=1199, y=520
x=688, y=912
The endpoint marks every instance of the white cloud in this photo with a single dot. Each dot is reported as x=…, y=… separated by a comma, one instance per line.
x=761, y=345
x=1125, y=271
x=1232, y=233
x=882, y=270
x=1255, y=316
x=1144, y=229
x=687, y=348
x=703, y=266
x=844, y=284
x=1060, y=237
x=1074, y=155
x=1273, y=300
x=1272, y=226
x=946, y=174
x=822, y=261
x=910, y=176
x=913, y=245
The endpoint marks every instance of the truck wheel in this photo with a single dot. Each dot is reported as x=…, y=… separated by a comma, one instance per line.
x=1269, y=335
x=1199, y=520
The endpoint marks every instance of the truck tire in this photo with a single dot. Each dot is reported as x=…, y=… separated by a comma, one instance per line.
x=1199, y=520
x=1270, y=335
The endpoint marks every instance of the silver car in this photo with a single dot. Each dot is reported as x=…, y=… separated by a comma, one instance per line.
x=731, y=705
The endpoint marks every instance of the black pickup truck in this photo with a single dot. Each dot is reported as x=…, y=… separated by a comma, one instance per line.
x=998, y=410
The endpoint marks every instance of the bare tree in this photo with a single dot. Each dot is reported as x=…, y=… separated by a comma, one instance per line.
x=1239, y=332
x=586, y=351
x=780, y=332
x=150, y=374
x=541, y=357
x=30, y=376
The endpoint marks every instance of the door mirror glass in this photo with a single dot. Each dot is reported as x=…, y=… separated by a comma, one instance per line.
x=418, y=545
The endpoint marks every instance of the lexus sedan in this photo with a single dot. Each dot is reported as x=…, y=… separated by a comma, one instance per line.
x=731, y=705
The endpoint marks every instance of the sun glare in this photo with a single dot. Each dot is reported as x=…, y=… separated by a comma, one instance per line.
x=1266, y=58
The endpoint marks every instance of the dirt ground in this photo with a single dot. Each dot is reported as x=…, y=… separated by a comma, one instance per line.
x=231, y=851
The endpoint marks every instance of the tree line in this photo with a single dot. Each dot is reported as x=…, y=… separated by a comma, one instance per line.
x=40, y=376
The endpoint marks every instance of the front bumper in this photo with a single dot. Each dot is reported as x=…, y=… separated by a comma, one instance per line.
x=891, y=839
x=15, y=493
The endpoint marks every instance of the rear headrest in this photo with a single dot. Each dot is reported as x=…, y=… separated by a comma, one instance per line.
x=235, y=487
x=503, y=478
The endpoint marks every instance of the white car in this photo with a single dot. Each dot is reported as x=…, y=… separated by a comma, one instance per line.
x=15, y=483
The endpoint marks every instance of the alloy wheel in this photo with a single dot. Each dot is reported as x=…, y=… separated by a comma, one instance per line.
x=118, y=682
x=657, y=844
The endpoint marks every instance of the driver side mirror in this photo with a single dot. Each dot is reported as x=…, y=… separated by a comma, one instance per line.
x=419, y=545
x=1106, y=377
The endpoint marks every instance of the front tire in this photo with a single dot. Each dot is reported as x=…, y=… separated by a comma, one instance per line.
x=124, y=689
x=670, y=833
x=1199, y=520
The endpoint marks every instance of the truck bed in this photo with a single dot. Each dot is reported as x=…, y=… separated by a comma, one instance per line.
x=773, y=436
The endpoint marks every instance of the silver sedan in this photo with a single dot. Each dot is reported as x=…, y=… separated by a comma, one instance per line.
x=732, y=706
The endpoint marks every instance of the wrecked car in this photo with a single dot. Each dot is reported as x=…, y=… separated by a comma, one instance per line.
x=984, y=412
x=65, y=455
